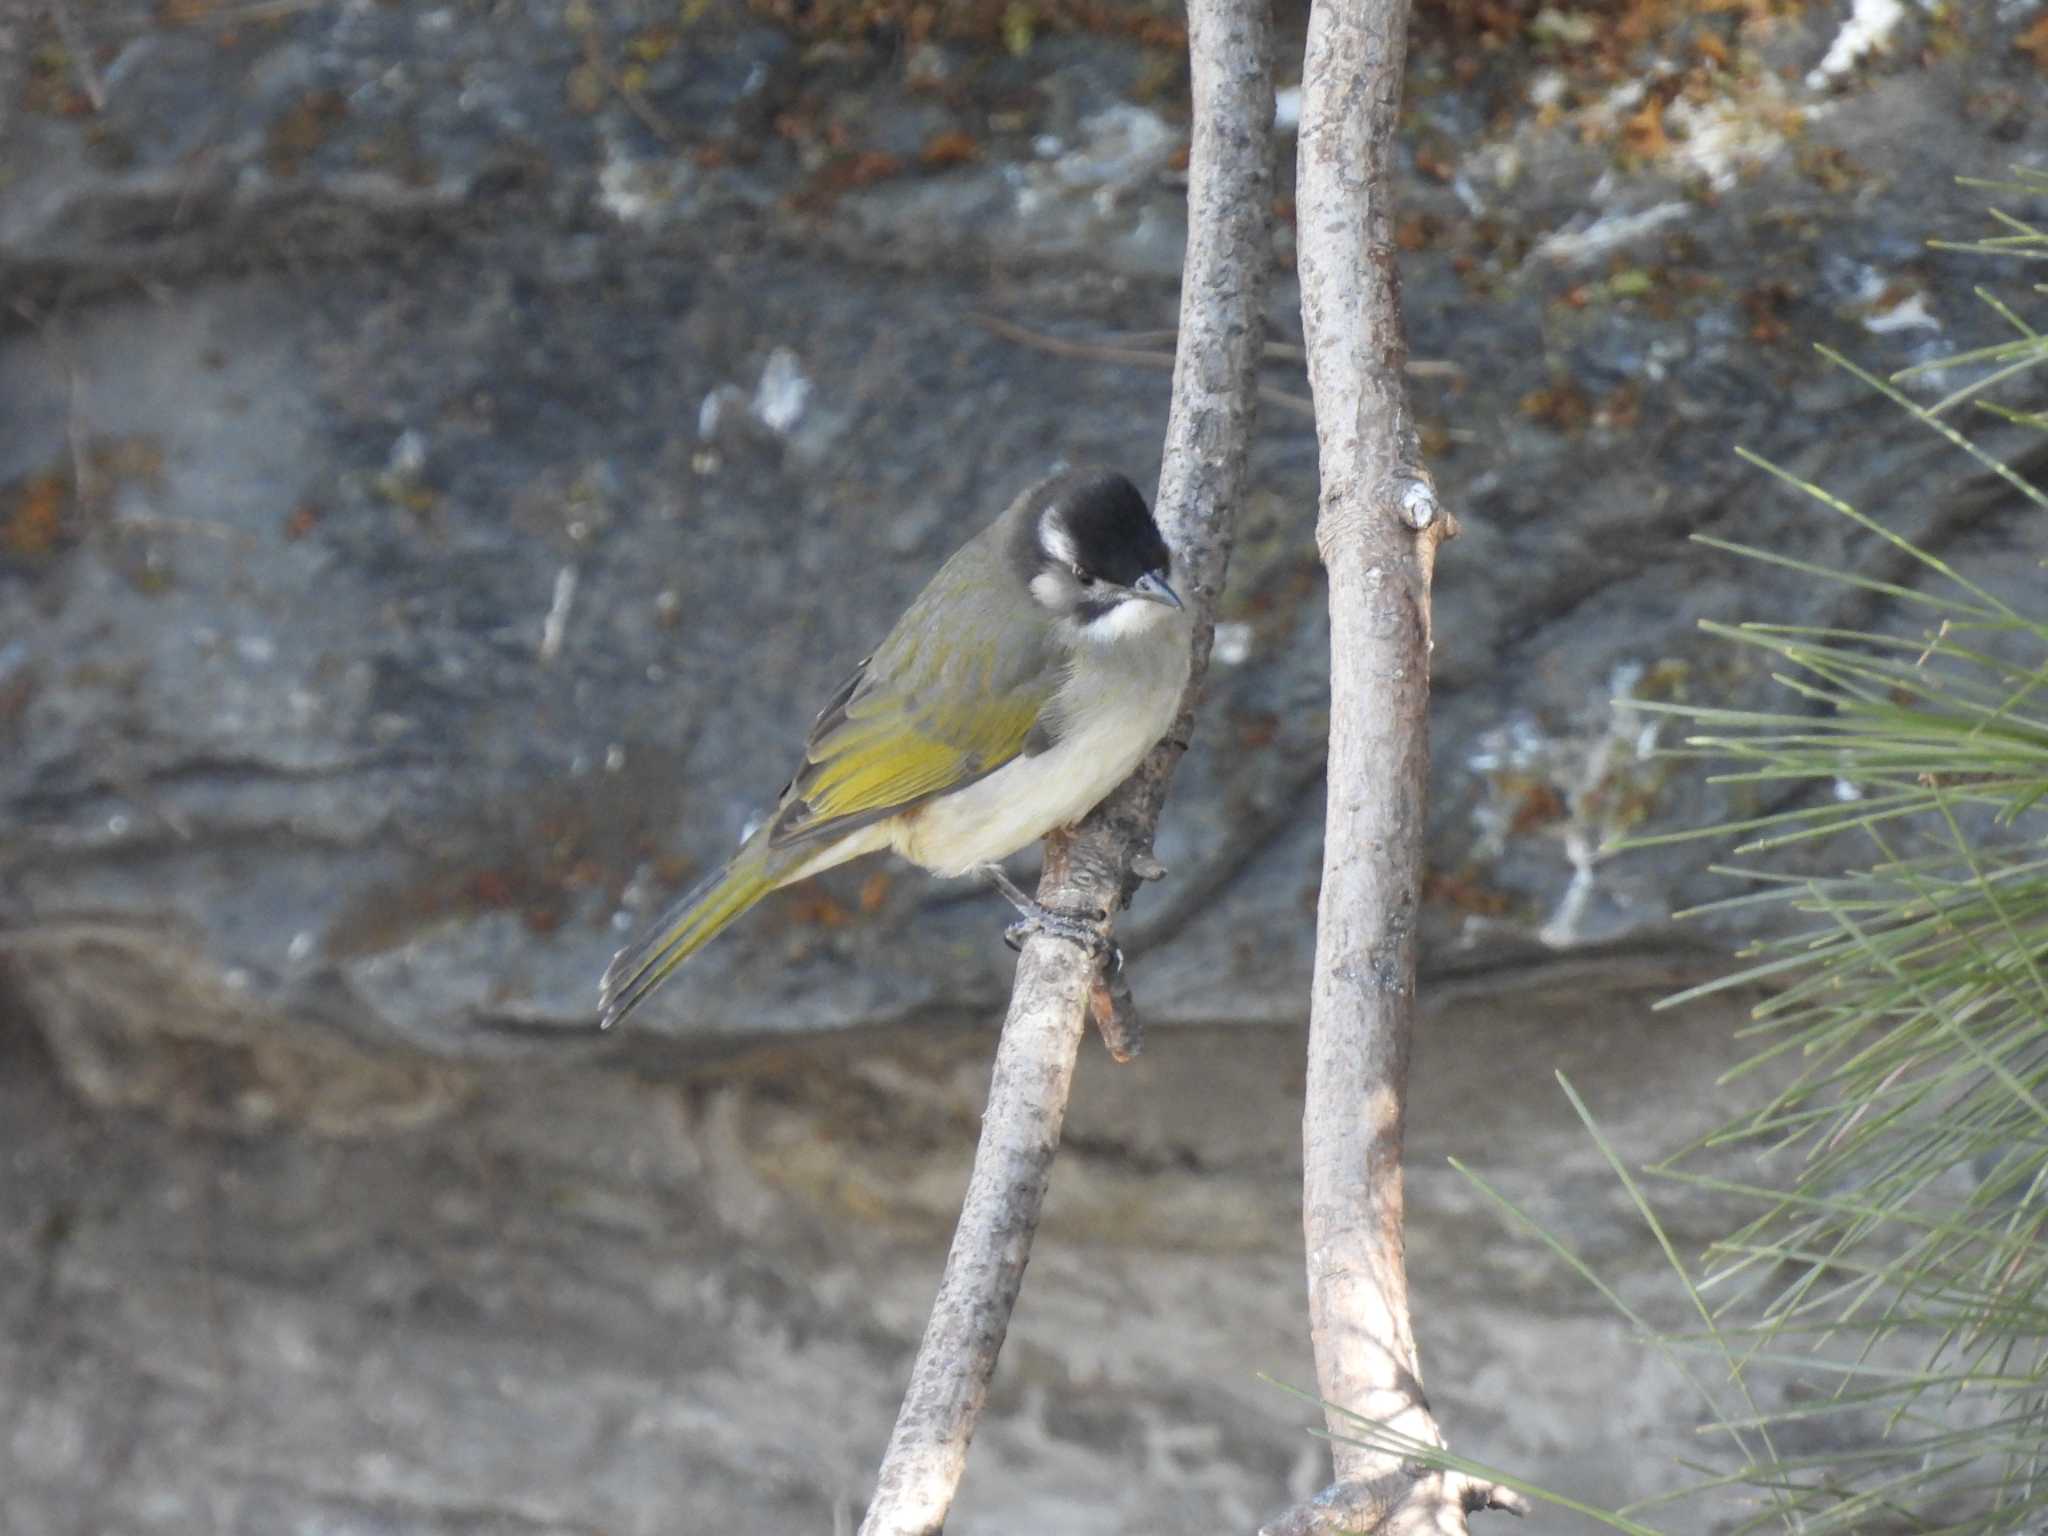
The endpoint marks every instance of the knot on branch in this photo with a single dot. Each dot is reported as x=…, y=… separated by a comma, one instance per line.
x=1405, y=496
x=1415, y=499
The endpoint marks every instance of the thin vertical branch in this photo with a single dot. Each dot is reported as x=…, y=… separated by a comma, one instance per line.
x=1378, y=529
x=1201, y=482
x=1020, y=1134
x=1362, y=1003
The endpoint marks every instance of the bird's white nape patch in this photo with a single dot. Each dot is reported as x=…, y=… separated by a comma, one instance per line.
x=1132, y=616
x=1055, y=540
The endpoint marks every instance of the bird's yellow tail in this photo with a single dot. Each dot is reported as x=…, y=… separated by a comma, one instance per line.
x=694, y=921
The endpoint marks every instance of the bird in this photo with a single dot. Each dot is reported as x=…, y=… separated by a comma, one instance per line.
x=1027, y=680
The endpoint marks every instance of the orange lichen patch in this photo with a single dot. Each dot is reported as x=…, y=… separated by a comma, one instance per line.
x=811, y=905
x=2034, y=43
x=848, y=173
x=1160, y=32
x=1162, y=75
x=1436, y=162
x=1534, y=803
x=874, y=891
x=1641, y=78
x=1900, y=290
x=1489, y=23
x=584, y=874
x=389, y=918
x=1642, y=131
x=584, y=89
x=1013, y=25
x=1621, y=409
x=538, y=908
x=34, y=523
x=1765, y=306
x=1260, y=728
x=53, y=87
x=653, y=45
x=539, y=859
x=138, y=458
x=1280, y=590
x=491, y=888
x=406, y=493
x=16, y=693
x=1562, y=407
x=797, y=122
x=1667, y=679
x=304, y=518
x=306, y=125
x=43, y=513
x=1785, y=117
x=1415, y=231
x=949, y=148
x=1830, y=167
x=1623, y=800
x=1464, y=892
x=673, y=871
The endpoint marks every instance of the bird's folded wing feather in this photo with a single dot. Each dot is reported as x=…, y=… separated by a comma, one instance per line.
x=936, y=707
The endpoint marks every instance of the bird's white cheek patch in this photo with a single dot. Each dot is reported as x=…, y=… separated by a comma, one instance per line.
x=1046, y=588
x=1054, y=540
x=1132, y=617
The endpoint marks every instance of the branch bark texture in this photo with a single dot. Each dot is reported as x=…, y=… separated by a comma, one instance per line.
x=1378, y=527
x=1363, y=997
x=1202, y=479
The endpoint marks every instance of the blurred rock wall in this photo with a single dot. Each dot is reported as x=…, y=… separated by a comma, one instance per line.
x=448, y=452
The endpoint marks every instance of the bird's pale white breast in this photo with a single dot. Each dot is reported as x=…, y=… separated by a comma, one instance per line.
x=1123, y=685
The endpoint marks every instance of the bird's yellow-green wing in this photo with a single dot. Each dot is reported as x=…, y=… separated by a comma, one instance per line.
x=954, y=693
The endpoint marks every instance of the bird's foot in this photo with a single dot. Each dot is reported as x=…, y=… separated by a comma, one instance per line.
x=1075, y=926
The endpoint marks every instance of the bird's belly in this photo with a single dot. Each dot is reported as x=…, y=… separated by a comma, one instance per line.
x=1028, y=796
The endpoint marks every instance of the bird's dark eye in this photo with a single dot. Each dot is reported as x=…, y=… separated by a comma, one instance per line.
x=1084, y=578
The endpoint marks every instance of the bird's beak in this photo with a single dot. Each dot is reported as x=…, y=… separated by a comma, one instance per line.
x=1152, y=585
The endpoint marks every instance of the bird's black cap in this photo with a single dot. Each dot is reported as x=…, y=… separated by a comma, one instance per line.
x=1109, y=526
